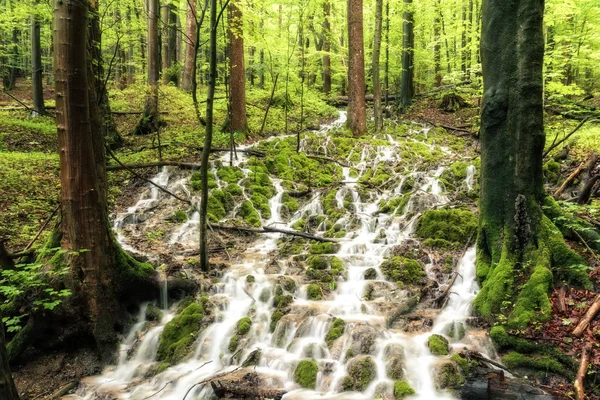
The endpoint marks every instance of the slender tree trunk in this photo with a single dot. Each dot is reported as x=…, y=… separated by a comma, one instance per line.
x=14, y=61
x=8, y=391
x=463, y=42
x=208, y=138
x=407, y=90
x=164, y=36
x=172, y=48
x=36, y=67
x=376, y=53
x=190, y=44
x=150, y=119
x=443, y=25
x=237, y=74
x=437, y=52
x=387, y=52
x=470, y=37
x=357, y=118
x=516, y=242
x=130, y=52
x=326, y=47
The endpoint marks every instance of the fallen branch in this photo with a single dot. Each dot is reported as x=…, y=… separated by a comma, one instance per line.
x=151, y=165
x=588, y=317
x=325, y=158
x=269, y=229
x=555, y=144
x=584, y=165
x=243, y=390
x=582, y=372
x=450, y=128
x=44, y=225
x=134, y=112
x=300, y=194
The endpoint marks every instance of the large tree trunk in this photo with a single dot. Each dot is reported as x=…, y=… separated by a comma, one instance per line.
x=98, y=269
x=237, y=70
x=326, y=48
x=190, y=43
x=516, y=243
x=36, y=67
x=376, y=52
x=8, y=391
x=150, y=120
x=407, y=91
x=357, y=118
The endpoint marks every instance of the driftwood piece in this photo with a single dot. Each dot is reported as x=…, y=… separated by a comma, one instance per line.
x=588, y=317
x=243, y=390
x=582, y=372
x=270, y=229
x=586, y=164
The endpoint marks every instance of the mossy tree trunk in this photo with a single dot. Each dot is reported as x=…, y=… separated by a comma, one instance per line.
x=357, y=108
x=8, y=391
x=99, y=271
x=517, y=245
x=326, y=47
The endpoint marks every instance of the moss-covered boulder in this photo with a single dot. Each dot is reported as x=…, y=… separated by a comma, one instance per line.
x=448, y=375
x=370, y=274
x=249, y=214
x=402, y=269
x=456, y=330
x=179, y=334
x=394, y=361
x=314, y=292
x=446, y=227
x=335, y=332
x=402, y=389
x=438, y=345
x=305, y=374
x=153, y=313
x=362, y=370
x=241, y=329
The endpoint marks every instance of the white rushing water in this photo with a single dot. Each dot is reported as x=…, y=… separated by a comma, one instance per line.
x=301, y=333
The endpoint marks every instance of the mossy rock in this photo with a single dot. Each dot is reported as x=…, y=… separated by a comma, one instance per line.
x=153, y=313
x=438, y=345
x=456, y=330
x=179, y=334
x=243, y=326
x=196, y=181
x=402, y=269
x=362, y=370
x=402, y=389
x=465, y=365
x=370, y=274
x=545, y=364
x=394, y=361
x=448, y=376
x=275, y=317
x=336, y=331
x=249, y=214
x=314, y=292
x=305, y=374
x=288, y=283
x=324, y=248
x=455, y=226
x=230, y=174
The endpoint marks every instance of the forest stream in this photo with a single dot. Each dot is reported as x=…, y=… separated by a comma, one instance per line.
x=362, y=362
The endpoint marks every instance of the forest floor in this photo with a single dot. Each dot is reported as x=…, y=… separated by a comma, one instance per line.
x=29, y=189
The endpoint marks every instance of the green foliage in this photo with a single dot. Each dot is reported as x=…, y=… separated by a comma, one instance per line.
x=323, y=248
x=179, y=334
x=402, y=269
x=230, y=175
x=249, y=214
x=314, y=292
x=243, y=326
x=465, y=365
x=452, y=225
x=402, y=389
x=305, y=374
x=336, y=331
x=438, y=345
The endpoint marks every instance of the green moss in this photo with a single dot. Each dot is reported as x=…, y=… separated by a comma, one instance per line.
x=456, y=330
x=335, y=332
x=533, y=303
x=541, y=363
x=370, y=274
x=234, y=189
x=179, y=216
x=261, y=203
x=394, y=206
x=289, y=202
x=233, y=343
x=465, y=365
x=506, y=341
x=552, y=171
x=249, y=214
x=363, y=371
x=402, y=269
x=230, y=174
x=314, y=292
x=497, y=288
x=453, y=225
x=449, y=376
x=323, y=248
x=219, y=203
x=402, y=389
x=275, y=317
x=438, y=345
x=243, y=326
x=317, y=262
x=196, y=181
x=250, y=279
x=179, y=334
x=153, y=313
x=305, y=374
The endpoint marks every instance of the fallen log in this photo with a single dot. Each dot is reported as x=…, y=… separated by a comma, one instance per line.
x=588, y=189
x=582, y=372
x=233, y=390
x=270, y=229
x=572, y=115
x=343, y=100
x=450, y=128
x=151, y=165
x=300, y=194
x=134, y=112
x=586, y=164
x=588, y=317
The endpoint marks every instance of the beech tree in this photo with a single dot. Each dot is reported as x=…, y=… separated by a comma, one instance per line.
x=515, y=236
x=8, y=391
x=190, y=44
x=237, y=70
x=36, y=66
x=376, y=52
x=357, y=118
x=407, y=90
x=100, y=273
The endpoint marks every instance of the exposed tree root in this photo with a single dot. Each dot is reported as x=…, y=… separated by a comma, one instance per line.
x=588, y=317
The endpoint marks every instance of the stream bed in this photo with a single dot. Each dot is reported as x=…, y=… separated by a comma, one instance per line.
x=361, y=296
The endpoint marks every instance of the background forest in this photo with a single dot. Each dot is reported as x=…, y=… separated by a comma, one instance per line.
x=342, y=233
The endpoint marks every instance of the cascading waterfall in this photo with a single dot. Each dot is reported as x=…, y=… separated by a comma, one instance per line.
x=300, y=334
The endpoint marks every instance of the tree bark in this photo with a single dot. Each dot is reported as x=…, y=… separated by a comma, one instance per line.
x=237, y=70
x=98, y=268
x=513, y=232
x=378, y=114
x=326, y=48
x=150, y=120
x=357, y=118
x=8, y=391
x=582, y=372
x=407, y=90
x=190, y=43
x=36, y=67
x=437, y=52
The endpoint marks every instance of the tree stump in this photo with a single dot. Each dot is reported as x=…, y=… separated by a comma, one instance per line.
x=452, y=102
